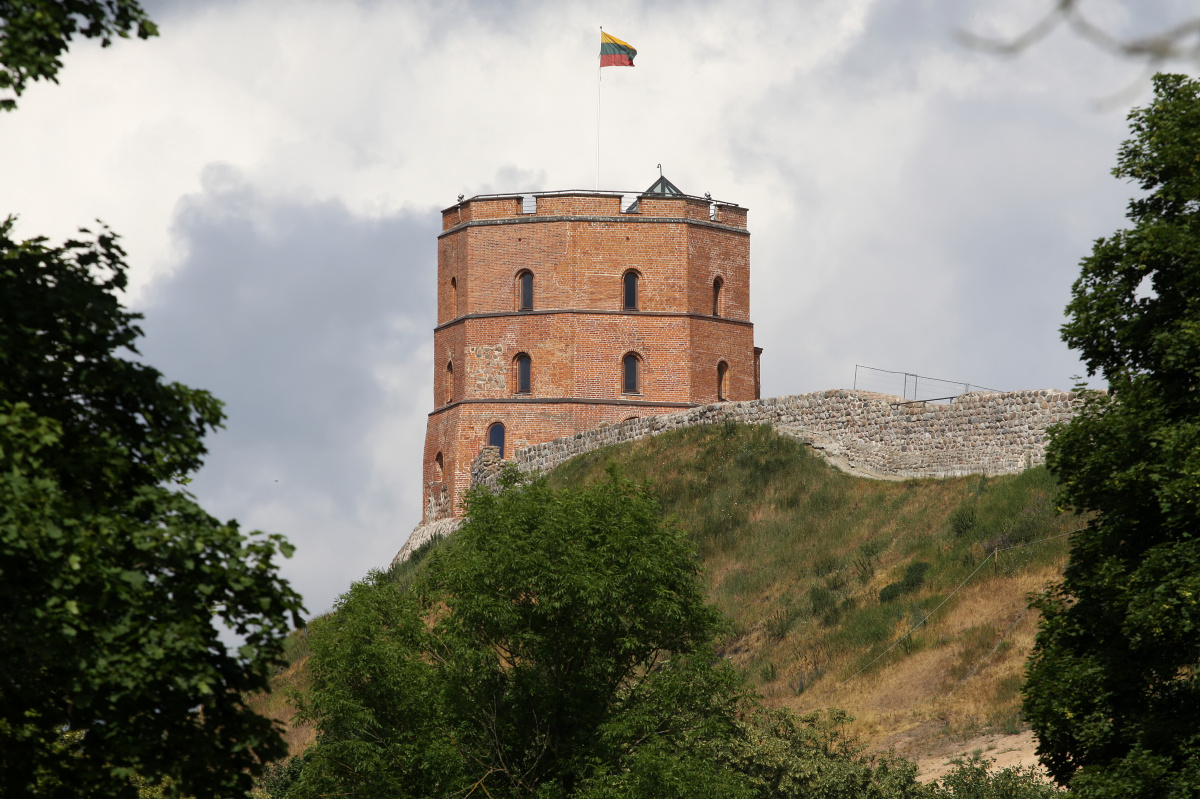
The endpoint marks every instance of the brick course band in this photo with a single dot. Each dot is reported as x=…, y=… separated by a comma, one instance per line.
x=561, y=401
x=630, y=219
x=867, y=434
x=591, y=312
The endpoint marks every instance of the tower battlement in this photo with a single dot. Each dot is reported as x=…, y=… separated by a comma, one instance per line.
x=623, y=206
x=560, y=312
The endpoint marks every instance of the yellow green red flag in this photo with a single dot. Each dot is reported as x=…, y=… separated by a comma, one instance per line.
x=614, y=52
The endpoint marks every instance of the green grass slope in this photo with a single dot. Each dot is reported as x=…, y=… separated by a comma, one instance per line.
x=823, y=576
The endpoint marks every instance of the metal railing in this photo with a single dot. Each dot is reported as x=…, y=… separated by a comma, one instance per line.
x=912, y=387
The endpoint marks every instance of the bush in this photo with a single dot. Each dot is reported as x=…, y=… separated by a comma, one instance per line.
x=914, y=578
x=963, y=519
x=277, y=778
x=974, y=779
x=823, y=601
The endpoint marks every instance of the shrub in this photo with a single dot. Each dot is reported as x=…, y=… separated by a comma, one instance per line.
x=974, y=779
x=822, y=600
x=914, y=578
x=963, y=519
x=914, y=575
x=890, y=592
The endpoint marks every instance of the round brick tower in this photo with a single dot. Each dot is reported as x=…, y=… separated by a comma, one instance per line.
x=559, y=312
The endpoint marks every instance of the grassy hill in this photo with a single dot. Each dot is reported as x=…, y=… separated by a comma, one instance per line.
x=824, y=575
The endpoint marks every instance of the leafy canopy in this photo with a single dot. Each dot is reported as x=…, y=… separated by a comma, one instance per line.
x=111, y=575
x=558, y=646
x=1112, y=687
x=35, y=34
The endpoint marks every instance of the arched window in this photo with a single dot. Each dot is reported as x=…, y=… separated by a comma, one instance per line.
x=438, y=466
x=525, y=291
x=718, y=284
x=632, y=374
x=453, y=297
x=448, y=389
x=523, y=368
x=722, y=371
x=496, y=437
x=630, y=302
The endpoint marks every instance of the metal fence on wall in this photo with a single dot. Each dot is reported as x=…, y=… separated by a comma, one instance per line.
x=912, y=387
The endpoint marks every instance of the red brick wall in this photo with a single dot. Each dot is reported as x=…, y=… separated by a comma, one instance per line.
x=459, y=432
x=579, y=247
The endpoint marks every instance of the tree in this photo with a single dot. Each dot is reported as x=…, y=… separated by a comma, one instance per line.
x=1112, y=687
x=111, y=575
x=1179, y=41
x=34, y=35
x=558, y=646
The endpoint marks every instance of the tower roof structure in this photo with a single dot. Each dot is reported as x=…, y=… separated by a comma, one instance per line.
x=664, y=188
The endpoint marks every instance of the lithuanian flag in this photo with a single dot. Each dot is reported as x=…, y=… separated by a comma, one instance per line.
x=614, y=52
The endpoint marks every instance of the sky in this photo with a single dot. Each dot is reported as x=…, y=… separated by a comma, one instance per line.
x=276, y=171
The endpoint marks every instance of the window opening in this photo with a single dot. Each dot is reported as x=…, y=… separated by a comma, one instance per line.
x=528, y=204
x=439, y=466
x=758, y=372
x=629, y=203
x=631, y=291
x=496, y=437
x=449, y=387
x=524, y=370
x=722, y=371
x=717, y=285
x=525, y=289
x=631, y=374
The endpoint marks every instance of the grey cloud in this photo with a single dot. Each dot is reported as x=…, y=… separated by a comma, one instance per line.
x=294, y=313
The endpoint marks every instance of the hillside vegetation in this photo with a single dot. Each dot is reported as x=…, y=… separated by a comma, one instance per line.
x=822, y=575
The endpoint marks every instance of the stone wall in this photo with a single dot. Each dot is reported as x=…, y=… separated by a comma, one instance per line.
x=874, y=434
x=871, y=435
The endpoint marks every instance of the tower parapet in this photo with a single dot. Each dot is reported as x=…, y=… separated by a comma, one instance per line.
x=560, y=312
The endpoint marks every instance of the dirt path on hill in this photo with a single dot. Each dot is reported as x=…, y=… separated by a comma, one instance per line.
x=933, y=758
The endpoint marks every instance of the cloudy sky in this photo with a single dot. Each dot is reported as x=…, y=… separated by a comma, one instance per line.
x=276, y=170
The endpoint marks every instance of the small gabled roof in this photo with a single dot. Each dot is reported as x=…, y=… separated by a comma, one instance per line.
x=663, y=187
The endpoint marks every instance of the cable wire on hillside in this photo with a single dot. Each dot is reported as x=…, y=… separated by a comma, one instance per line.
x=925, y=619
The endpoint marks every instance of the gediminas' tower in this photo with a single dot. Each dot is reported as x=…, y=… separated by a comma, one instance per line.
x=559, y=312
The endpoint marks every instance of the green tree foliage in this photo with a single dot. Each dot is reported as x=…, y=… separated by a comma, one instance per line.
x=34, y=35
x=558, y=646
x=974, y=778
x=1112, y=684
x=111, y=575
x=569, y=649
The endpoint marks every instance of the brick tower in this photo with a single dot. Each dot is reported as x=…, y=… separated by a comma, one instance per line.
x=559, y=312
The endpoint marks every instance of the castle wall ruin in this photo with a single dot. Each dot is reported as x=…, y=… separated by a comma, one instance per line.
x=870, y=435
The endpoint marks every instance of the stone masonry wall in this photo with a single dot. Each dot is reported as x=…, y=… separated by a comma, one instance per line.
x=877, y=434
x=872, y=435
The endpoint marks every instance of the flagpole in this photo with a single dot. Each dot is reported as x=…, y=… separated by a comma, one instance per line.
x=599, y=81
